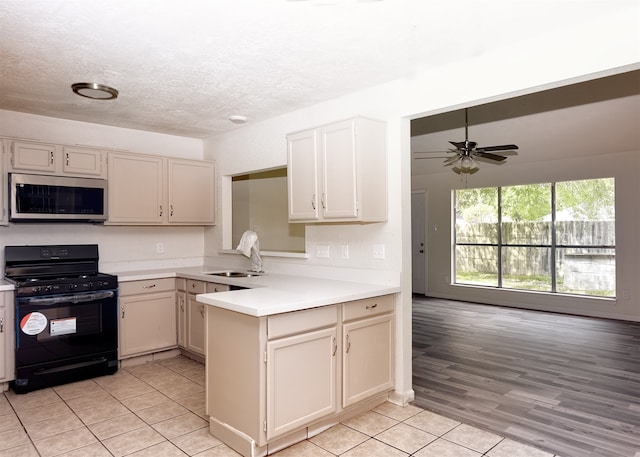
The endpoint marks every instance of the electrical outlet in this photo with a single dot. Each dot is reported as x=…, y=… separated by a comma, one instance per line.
x=378, y=251
x=159, y=248
x=322, y=251
x=344, y=251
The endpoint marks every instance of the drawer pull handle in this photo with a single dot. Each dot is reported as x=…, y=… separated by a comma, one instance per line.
x=2, y=330
x=51, y=155
x=348, y=345
x=150, y=286
x=335, y=346
x=67, y=159
x=375, y=305
x=313, y=201
x=202, y=310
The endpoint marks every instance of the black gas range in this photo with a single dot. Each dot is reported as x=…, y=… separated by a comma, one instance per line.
x=66, y=315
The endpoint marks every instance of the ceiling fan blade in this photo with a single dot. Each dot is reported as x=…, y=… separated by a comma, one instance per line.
x=504, y=147
x=488, y=155
x=452, y=159
x=433, y=152
x=459, y=145
x=432, y=157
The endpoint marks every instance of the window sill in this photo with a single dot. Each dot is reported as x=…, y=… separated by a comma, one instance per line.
x=287, y=254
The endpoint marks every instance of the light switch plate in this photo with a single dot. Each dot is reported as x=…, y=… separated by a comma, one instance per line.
x=344, y=251
x=378, y=251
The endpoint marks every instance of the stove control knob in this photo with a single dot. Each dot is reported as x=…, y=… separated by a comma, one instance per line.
x=48, y=288
x=73, y=286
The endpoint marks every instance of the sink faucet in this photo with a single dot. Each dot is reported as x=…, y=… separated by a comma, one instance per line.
x=249, y=246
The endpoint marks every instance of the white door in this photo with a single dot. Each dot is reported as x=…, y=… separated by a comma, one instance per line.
x=418, y=256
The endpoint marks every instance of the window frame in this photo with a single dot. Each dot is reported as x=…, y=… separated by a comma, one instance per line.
x=553, y=246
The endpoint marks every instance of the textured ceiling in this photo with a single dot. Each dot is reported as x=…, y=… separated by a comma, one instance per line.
x=183, y=67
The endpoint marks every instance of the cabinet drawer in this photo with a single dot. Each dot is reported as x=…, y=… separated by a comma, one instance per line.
x=301, y=321
x=368, y=307
x=215, y=287
x=195, y=287
x=148, y=285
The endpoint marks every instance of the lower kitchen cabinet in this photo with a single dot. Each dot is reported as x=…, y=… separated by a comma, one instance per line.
x=147, y=316
x=367, y=360
x=301, y=373
x=191, y=313
x=269, y=378
x=7, y=337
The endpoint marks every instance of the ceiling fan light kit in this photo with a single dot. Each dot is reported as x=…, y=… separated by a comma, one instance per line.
x=466, y=152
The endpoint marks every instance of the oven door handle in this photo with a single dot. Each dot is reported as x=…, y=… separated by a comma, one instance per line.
x=75, y=298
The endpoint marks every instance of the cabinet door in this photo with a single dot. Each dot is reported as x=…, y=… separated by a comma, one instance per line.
x=33, y=157
x=367, y=358
x=181, y=299
x=338, y=165
x=191, y=192
x=7, y=337
x=136, y=190
x=302, y=175
x=195, y=325
x=147, y=323
x=3, y=183
x=4, y=347
x=301, y=380
x=82, y=161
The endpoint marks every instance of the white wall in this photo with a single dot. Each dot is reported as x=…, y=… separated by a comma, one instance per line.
x=580, y=51
x=121, y=248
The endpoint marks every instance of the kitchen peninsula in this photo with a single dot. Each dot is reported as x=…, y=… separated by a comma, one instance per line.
x=289, y=356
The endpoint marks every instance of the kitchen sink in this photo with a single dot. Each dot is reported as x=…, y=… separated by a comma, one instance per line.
x=235, y=274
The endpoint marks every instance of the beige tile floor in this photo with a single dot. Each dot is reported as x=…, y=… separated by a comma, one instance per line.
x=157, y=409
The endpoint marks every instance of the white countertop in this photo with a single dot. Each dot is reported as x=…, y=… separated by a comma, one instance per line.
x=269, y=293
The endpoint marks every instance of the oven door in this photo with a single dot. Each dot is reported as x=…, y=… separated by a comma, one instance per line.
x=59, y=328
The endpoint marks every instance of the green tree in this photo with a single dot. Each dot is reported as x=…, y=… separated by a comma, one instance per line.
x=589, y=199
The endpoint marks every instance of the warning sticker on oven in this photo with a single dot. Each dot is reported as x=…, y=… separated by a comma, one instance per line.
x=33, y=323
x=63, y=326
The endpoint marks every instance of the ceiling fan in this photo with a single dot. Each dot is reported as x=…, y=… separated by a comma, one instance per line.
x=466, y=152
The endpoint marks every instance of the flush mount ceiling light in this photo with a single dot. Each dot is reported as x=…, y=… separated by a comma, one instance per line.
x=237, y=119
x=95, y=91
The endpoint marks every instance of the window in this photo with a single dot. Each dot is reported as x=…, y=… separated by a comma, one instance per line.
x=553, y=237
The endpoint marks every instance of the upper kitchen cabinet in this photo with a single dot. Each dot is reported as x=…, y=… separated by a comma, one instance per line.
x=56, y=159
x=191, y=191
x=151, y=190
x=136, y=189
x=338, y=173
x=4, y=216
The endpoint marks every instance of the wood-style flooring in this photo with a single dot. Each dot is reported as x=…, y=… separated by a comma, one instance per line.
x=566, y=384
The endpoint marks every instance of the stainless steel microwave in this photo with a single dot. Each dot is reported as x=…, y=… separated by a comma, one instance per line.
x=56, y=198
